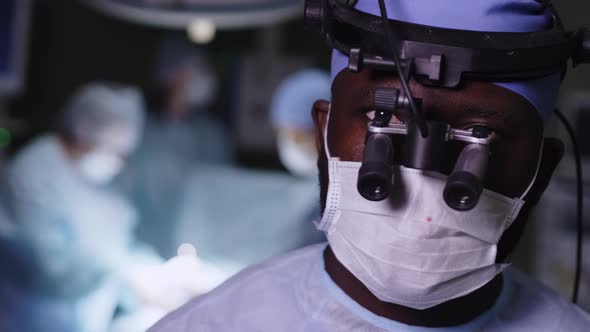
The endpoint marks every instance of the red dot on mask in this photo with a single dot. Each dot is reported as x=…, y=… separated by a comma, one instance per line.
x=429, y=219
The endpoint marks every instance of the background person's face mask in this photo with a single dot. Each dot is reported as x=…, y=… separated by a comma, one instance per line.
x=299, y=158
x=412, y=249
x=99, y=167
x=200, y=90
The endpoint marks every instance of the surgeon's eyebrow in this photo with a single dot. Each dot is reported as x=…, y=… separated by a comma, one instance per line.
x=504, y=118
x=502, y=122
x=485, y=112
x=362, y=98
x=364, y=94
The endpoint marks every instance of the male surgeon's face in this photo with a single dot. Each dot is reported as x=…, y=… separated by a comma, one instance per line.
x=516, y=123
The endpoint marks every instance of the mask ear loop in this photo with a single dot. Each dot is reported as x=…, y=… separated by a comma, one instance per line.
x=536, y=172
x=323, y=224
x=326, y=148
x=520, y=201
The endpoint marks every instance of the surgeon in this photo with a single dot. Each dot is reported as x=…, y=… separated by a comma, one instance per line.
x=67, y=239
x=410, y=261
x=220, y=213
x=181, y=133
x=294, y=128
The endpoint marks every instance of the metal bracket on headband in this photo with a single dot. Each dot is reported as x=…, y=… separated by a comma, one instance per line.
x=453, y=134
x=431, y=67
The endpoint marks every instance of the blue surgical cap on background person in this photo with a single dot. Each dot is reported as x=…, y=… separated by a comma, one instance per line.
x=179, y=57
x=173, y=55
x=291, y=117
x=105, y=114
x=293, y=99
x=476, y=15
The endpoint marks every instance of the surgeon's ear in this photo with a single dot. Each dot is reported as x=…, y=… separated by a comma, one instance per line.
x=553, y=150
x=319, y=113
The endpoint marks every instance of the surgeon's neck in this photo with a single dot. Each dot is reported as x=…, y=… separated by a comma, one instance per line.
x=454, y=312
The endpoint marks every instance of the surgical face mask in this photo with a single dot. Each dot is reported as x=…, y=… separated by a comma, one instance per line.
x=412, y=249
x=200, y=89
x=99, y=167
x=299, y=158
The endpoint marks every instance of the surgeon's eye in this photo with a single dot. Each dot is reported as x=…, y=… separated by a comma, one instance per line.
x=371, y=115
x=482, y=129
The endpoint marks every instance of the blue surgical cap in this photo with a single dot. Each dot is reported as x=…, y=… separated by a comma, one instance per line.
x=293, y=99
x=475, y=15
x=105, y=114
x=175, y=55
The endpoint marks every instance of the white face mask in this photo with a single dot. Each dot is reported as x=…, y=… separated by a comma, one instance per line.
x=412, y=249
x=200, y=90
x=99, y=167
x=298, y=159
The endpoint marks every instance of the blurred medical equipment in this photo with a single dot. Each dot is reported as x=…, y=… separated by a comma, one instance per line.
x=556, y=236
x=5, y=138
x=555, y=240
x=179, y=135
x=291, y=117
x=579, y=204
x=163, y=287
x=201, y=17
x=14, y=29
x=14, y=32
x=171, y=284
x=576, y=106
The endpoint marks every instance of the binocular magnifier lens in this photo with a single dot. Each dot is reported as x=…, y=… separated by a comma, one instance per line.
x=376, y=173
x=465, y=185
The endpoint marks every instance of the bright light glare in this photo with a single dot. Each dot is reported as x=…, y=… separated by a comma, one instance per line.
x=187, y=249
x=201, y=31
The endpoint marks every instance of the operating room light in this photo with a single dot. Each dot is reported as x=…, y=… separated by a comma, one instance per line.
x=201, y=31
x=178, y=14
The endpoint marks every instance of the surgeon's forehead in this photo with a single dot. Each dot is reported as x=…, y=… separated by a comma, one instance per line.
x=472, y=102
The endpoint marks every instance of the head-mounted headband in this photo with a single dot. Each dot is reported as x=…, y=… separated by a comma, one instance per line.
x=444, y=57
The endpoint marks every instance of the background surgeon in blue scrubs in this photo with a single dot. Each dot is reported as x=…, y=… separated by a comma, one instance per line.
x=236, y=216
x=68, y=238
x=181, y=133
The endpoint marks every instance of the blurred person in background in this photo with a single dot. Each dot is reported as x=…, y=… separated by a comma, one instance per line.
x=66, y=240
x=180, y=134
x=293, y=126
x=235, y=216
